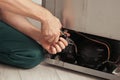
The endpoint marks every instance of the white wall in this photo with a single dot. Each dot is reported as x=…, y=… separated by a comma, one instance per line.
x=37, y=1
x=34, y=22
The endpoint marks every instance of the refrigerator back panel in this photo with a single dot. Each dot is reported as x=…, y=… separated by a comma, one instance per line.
x=99, y=17
x=96, y=19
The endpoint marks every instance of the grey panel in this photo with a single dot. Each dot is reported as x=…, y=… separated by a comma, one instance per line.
x=82, y=69
x=99, y=17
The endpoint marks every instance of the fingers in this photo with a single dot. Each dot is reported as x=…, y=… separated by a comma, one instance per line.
x=64, y=41
x=59, y=46
x=53, y=50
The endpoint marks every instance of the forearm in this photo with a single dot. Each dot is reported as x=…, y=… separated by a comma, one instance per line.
x=26, y=8
x=21, y=24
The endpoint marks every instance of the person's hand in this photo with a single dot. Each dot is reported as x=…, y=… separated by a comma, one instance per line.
x=59, y=46
x=53, y=48
x=51, y=29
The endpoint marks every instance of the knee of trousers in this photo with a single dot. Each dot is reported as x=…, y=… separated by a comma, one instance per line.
x=26, y=59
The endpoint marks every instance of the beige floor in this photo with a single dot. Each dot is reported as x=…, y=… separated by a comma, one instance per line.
x=42, y=72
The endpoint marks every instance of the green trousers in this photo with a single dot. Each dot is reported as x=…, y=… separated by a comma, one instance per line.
x=18, y=50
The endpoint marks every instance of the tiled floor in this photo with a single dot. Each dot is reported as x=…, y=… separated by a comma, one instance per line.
x=42, y=72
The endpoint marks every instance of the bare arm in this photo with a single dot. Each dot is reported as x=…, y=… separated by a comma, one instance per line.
x=29, y=9
x=25, y=8
x=20, y=23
